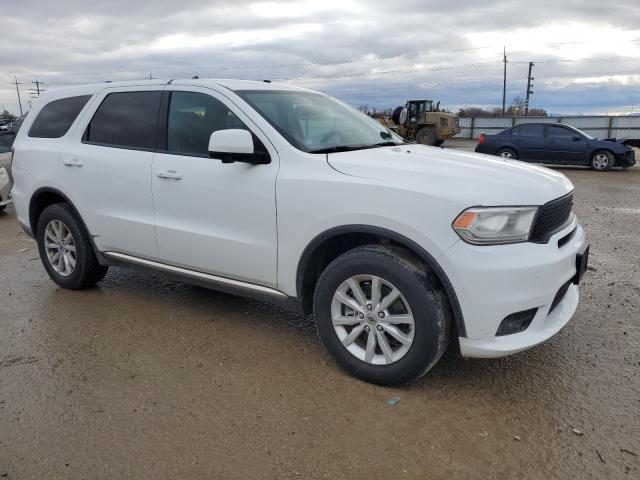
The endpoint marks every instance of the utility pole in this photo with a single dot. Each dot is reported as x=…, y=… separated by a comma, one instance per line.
x=150, y=77
x=529, y=91
x=16, y=83
x=504, y=81
x=37, y=84
x=35, y=92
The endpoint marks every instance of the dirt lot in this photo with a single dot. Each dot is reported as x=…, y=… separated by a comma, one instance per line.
x=147, y=378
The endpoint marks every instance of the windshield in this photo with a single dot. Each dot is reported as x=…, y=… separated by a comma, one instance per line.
x=316, y=123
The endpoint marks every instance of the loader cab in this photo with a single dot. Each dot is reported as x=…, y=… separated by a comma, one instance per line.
x=417, y=108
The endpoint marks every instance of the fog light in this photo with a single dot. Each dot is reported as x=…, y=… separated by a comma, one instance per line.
x=516, y=322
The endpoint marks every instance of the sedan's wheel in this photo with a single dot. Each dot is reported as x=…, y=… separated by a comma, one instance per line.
x=507, y=153
x=65, y=249
x=60, y=247
x=372, y=319
x=380, y=314
x=602, y=161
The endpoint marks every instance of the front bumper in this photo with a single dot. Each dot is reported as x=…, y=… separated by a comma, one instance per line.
x=626, y=159
x=493, y=282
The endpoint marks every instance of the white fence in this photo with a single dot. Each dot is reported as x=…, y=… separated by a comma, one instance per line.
x=598, y=126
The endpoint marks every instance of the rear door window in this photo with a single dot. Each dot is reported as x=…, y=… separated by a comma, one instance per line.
x=531, y=131
x=55, y=118
x=126, y=120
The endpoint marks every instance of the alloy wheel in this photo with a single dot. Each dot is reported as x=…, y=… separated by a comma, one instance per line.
x=600, y=161
x=372, y=319
x=60, y=247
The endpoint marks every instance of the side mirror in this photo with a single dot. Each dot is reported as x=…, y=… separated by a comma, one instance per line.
x=235, y=145
x=576, y=138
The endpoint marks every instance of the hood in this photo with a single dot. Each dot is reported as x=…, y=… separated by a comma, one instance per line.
x=470, y=178
x=627, y=142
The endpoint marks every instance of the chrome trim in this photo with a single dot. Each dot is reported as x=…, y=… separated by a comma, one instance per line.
x=194, y=274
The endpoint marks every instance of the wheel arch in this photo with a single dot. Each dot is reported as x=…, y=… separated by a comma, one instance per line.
x=331, y=243
x=45, y=196
x=601, y=149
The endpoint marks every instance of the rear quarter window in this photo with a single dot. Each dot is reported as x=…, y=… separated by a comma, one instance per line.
x=56, y=117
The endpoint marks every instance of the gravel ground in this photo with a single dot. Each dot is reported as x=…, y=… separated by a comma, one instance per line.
x=148, y=378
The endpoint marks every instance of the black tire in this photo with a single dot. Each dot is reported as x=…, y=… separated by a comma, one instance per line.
x=428, y=305
x=596, y=161
x=395, y=116
x=426, y=136
x=87, y=271
x=509, y=153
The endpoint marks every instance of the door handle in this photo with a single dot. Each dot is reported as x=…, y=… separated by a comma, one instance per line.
x=72, y=162
x=169, y=174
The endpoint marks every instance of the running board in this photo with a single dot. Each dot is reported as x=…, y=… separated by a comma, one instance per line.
x=194, y=274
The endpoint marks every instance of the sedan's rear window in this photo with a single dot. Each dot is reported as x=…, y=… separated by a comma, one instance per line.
x=55, y=119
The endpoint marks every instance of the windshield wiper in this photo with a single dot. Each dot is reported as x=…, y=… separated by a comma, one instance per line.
x=336, y=149
x=345, y=148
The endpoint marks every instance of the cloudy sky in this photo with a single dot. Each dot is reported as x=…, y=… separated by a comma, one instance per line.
x=587, y=52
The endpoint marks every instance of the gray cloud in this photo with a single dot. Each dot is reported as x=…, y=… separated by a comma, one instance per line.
x=73, y=41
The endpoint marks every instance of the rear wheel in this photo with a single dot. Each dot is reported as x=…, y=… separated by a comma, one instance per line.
x=602, y=161
x=426, y=136
x=507, y=153
x=380, y=315
x=65, y=249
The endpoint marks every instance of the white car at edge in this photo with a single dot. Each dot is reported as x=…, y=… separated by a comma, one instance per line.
x=290, y=196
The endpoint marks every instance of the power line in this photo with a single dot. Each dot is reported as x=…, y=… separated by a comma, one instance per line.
x=583, y=60
x=370, y=59
x=393, y=72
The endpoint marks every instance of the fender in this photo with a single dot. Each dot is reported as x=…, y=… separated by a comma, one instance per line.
x=425, y=256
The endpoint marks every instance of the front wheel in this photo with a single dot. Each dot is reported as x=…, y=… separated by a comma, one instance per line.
x=380, y=315
x=426, y=136
x=602, y=161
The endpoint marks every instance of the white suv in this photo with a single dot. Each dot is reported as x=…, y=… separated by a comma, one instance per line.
x=290, y=196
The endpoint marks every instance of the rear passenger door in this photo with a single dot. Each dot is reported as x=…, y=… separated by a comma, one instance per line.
x=213, y=217
x=531, y=142
x=106, y=169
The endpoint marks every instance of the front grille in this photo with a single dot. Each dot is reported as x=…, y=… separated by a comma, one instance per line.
x=552, y=216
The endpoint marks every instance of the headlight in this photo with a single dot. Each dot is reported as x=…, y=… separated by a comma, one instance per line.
x=495, y=225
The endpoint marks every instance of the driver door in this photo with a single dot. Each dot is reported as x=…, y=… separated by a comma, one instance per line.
x=212, y=217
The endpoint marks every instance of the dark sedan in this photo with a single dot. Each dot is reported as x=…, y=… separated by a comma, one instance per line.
x=556, y=144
